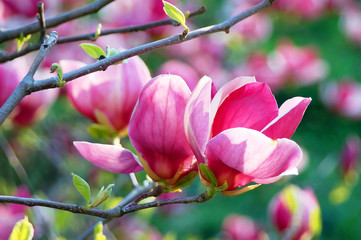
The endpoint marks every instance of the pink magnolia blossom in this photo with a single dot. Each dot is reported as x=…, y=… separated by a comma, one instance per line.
x=296, y=213
x=108, y=97
x=156, y=129
x=301, y=65
x=241, y=134
x=265, y=69
x=236, y=227
x=350, y=22
x=184, y=70
x=307, y=9
x=350, y=157
x=344, y=97
x=33, y=107
x=252, y=29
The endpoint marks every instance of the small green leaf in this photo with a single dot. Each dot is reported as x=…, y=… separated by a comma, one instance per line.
x=23, y=230
x=21, y=40
x=93, y=50
x=183, y=182
x=174, y=13
x=98, y=31
x=98, y=232
x=102, y=195
x=208, y=174
x=56, y=67
x=83, y=187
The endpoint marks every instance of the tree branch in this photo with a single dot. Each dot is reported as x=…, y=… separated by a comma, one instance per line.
x=104, y=63
x=24, y=87
x=7, y=34
x=118, y=211
x=90, y=36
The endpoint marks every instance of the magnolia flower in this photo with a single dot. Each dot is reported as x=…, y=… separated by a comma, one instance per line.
x=236, y=227
x=156, y=132
x=108, y=98
x=344, y=97
x=301, y=65
x=241, y=134
x=296, y=213
x=350, y=157
x=307, y=9
x=33, y=107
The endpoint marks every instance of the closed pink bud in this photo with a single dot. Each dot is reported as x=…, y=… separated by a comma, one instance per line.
x=243, y=117
x=236, y=227
x=108, y=97
x=156, y=129
x=350, y=156
x=296, y=213
x=34, y=106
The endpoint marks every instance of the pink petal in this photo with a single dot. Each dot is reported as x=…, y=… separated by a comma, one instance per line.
x=254, y=154
x=251, y=106
x=109, y=157
x=78, y=90
x=156, y=128
x=225, y=90
x=290, y=115
x=196, y=117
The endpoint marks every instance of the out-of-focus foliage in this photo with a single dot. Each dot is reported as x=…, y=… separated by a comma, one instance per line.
x=44, y=153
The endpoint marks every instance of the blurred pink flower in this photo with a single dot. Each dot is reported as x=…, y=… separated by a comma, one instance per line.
x=350, y=157
x=236, y=227
x=296, y=213
x=33, y=107
x=265, y=69
x=350, y=23
x=243, y=118
x=184, y=70
x=252, y=29
x=108, y=98
x=11, y=213
x=156, y=130
x=344, y=97
x=301, y=65
x=307, y=9
x=132, y=228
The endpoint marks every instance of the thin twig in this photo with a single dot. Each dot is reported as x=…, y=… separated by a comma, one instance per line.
x=137, y=28
x=104, y=63
x=90, y=36
x=7, y=34
x=41, y=18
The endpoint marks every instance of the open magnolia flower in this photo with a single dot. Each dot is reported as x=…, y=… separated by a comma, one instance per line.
x=157, y=133
x=241, y=135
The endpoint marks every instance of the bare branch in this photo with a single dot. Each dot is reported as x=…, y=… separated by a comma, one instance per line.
x=24, y=87
x=104, y=63
x=90, y=36
x=118, y=211
x=7, y=34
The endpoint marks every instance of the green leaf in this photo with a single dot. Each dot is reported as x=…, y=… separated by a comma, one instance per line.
x=56, y=67
x=183, y=182
x=83, y=187
x=174, y=13
x=93, y=50
x=98, y=232
x=208, y=174
x=23, y=230
x=98, y=31
x=21, y=40
x=102, y=195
